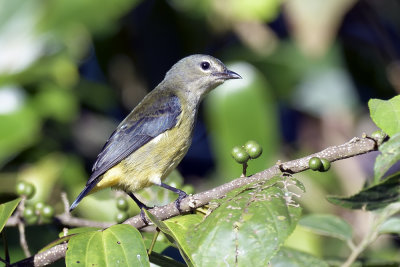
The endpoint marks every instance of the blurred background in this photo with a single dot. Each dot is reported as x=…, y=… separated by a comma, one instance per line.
x=70, y=71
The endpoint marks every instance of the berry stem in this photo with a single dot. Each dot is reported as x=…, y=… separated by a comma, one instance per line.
x=244, y=169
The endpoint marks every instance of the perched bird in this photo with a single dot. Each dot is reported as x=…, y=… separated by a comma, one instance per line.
x=150, y=142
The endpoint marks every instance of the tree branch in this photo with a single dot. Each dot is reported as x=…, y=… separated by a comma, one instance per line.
x=354, y=147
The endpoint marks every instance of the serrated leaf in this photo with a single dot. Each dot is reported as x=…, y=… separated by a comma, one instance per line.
x=119, y=245
x=390, y=226
x=374, y=197
x=6, y=210
x=390, y=155
x=245, y=230
x=294, y=258
x=386, y=114
x=328, y=225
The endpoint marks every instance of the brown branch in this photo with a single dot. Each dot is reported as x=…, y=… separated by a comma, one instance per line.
x=65, y=218
x=354, y=147
x=68, y=220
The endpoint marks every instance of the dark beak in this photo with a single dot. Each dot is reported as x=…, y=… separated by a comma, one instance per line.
x=228, y=74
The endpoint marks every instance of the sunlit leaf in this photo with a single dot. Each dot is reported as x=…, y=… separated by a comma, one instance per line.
x=385, y=113
x=6, y=210
x=176, y=229
x=245, y=230
x=119, y=245
x=390, y=155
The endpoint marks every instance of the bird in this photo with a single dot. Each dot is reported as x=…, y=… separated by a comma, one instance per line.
x=151, y=141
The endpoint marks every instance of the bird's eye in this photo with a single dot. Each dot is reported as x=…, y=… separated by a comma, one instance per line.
x=205, y=65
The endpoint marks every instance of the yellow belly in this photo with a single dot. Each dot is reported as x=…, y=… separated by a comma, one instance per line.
x=151, y=163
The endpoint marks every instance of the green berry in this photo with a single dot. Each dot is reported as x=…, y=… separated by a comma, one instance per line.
x=253, y=149
x=25, y=189
x=30, y=216
x=122, y=204
x=39, y=207
x=121, y=216
x=315, y=163
x=326, y=165
x=240, y=155
x=31, y=220
x=48, y=212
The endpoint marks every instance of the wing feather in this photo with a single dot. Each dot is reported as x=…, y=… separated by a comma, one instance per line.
x=136, y=130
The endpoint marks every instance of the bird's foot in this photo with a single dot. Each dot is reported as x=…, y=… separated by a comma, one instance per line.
x=142, y=207
x=182, y=195
x=143, y=216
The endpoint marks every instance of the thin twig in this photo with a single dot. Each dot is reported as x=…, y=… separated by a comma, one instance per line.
x=68, y=220
x=65, y=201
x=21, y=228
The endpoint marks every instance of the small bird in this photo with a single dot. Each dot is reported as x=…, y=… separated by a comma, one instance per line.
x=151, y=141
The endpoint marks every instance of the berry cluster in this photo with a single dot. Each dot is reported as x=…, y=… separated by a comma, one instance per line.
x=39, y=211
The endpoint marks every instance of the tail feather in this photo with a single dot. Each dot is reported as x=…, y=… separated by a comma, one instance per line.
x=84, y=192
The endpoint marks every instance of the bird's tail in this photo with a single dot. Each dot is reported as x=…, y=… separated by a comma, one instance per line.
x=84, y=192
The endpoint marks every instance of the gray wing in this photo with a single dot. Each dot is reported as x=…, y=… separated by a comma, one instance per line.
x=137, y=130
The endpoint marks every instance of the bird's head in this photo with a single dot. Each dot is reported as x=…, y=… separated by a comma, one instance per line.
x=196, y=75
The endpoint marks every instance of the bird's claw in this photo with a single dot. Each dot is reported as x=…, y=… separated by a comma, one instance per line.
x=182, y=195
x=143, y=216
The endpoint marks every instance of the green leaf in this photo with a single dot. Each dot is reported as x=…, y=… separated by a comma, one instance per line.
x=176, y=229
x=390, y=226
x=328, y=225
x=6, y=210
x=79, y=230
x=164, y=261
x=182, y=225
x=294, y=258
x=161, y=243
x=56, y=242
x=245, y=230
x=119, y=245
x=374, y=197
x=390, y=155
x=386, y=114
